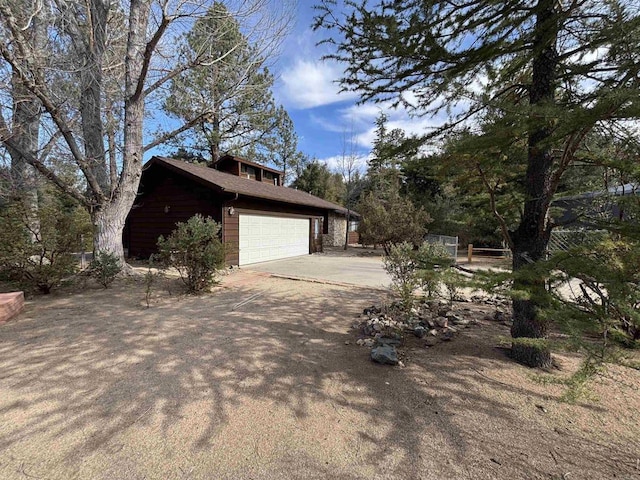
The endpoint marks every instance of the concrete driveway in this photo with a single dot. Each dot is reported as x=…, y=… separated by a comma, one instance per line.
x=342, y=269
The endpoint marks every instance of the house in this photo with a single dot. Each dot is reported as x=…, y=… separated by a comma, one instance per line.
x=591, y=209
x=261, y=219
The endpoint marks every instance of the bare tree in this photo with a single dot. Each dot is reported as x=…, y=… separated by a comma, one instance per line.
x=93, y=84
x=348, y=169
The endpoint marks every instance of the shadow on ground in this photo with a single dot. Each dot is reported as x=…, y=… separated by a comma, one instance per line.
x=255, y=381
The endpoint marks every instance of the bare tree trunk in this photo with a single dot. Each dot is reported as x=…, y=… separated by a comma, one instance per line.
x=108, y=224
x=531, y=237
x=26, y=123
x=109, y=220
x=91, y=84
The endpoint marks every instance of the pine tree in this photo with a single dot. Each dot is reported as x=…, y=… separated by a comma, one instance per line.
x=226, y=101
x=566, y=68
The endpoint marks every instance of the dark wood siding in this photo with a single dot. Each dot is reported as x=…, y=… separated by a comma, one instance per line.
x=165, y=199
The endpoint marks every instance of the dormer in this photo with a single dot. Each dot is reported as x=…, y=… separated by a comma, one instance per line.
x=249, y=170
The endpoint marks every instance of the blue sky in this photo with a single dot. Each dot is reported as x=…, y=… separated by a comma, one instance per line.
x=323, y=117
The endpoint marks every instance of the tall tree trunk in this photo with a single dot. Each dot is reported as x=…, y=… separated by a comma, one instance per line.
x=531, y=237
x=26, y=120
x=110, y=217
x=108, y=223
x=91, y=84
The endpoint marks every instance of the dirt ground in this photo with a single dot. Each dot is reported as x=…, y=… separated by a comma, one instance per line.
x=256, y=381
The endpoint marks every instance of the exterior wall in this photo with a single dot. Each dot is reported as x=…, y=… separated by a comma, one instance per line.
x=164, y=200
x=337, y=229
x=231, y=223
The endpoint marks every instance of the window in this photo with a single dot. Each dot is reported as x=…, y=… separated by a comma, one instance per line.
x=353, y=225
x=248, y=171
x=268, y=175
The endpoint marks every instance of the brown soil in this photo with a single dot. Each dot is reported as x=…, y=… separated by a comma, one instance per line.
x=255, y=381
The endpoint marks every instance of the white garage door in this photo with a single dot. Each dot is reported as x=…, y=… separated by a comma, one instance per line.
x=264, y=238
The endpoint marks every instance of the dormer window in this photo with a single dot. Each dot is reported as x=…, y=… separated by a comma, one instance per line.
x=269, y=177
x=248, y=171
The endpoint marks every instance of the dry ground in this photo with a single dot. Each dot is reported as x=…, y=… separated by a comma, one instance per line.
x=256, y=382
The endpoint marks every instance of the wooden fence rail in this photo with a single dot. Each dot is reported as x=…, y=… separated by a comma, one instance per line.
x=471, y=249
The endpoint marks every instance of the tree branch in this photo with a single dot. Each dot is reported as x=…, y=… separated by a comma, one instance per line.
x=492, y=198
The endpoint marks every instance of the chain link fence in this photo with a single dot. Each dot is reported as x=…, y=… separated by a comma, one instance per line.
x=450, y=243
x=563, y=240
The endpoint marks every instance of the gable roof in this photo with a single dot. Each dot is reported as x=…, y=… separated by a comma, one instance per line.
x=242, y=186
x=233, y=158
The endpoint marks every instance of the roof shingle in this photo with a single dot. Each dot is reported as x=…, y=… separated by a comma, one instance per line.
x=244, y=186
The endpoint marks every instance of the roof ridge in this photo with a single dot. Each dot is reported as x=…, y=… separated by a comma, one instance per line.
x=252, y=188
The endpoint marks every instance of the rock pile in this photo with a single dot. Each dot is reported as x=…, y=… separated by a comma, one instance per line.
x=383, y=329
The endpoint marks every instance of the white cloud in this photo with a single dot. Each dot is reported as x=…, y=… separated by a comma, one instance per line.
x=336, y=163
x=312, y=83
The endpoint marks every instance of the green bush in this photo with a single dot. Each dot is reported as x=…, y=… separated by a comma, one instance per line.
x=391, y=220
x=427, y=267
x=400, y=264
x=194, y=249
x=105, y=267
x=152, y=275
x=37, y=245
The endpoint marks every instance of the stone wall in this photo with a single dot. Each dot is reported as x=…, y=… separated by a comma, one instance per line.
x=337, y=227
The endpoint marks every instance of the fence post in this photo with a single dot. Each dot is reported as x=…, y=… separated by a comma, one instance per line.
x=470, y=252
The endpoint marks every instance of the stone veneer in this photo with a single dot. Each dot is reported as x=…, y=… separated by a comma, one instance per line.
x=337, y=227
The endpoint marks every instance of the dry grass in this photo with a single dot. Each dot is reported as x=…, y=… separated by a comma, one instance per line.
x=255, y=382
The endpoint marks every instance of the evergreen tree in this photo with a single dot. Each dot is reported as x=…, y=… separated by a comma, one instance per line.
x=316, y=179
x=279, y=147
x=565, y=68
x=226, y=101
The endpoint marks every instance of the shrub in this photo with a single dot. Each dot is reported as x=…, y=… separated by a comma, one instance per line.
x=433, y=265
x=400, y=264
x=150, y=278
x=37, y=245
x=194, y=249
x=105, y=267
x=427, y=267
x=391, y=220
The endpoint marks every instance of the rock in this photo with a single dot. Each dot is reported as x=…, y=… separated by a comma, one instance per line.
x=360, y=341
x=368, y=330
x=401, y=364
x=389, y=341
x=428, y=322
x=414, y=311
x=347, y=342
x=443, y=311
x=499, y=315
x=451, y=329
x=433, y=332
x=369, y=342
x=377, y=326
x=385, y=354
x=447, y=336
x=431, y=341
x=371, y=310
x=455, y=319
x=461, y=321
x=442, y=322
x=419, y=331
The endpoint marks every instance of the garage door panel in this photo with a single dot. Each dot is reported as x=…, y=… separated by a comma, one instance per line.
x=264, y=238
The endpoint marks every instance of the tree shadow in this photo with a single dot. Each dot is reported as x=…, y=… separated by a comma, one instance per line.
x=85, y=370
